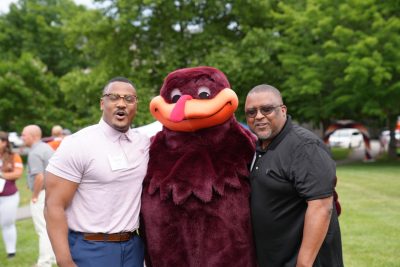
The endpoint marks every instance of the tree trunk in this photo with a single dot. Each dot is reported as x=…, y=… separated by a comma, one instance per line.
x=392, y=148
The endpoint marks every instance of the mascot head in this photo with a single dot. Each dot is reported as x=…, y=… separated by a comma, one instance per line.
x=194, y=98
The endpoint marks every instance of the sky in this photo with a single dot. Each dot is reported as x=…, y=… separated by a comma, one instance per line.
x=4, y=4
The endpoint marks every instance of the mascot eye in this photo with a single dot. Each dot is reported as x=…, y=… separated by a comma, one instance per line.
x=175, y=95
x=204, y=92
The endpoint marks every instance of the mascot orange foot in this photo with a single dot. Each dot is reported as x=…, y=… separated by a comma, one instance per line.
x=195, y=201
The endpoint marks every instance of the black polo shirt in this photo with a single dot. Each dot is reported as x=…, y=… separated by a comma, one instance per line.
x=295, y=168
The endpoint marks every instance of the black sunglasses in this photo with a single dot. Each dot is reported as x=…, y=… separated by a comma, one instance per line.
x=265, y=110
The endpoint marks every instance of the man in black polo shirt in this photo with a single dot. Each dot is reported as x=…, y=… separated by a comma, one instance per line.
x=294, y=218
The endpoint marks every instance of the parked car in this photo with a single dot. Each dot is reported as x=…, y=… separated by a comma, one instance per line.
x=346, y=138
x=15, y=139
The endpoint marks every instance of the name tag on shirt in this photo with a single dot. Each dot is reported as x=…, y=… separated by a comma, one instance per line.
x=118, y=162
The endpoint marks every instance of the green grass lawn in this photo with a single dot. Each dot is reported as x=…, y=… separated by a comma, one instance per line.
x=370, y=221
x=27, y=244
x=24, y=192
x=27, y=247
x=339, y=153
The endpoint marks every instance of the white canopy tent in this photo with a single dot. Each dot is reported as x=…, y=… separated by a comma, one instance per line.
x=150, y=129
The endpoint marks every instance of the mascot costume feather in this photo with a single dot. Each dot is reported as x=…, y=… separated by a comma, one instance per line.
x=195, y=201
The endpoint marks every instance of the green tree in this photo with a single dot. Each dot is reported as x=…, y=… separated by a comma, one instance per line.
x=33, y=41
x=312, y=68
x=145, y=40
x=36, y=27
x=372, y=68
x=331, y=59
x=27, y=96
x=340, y=60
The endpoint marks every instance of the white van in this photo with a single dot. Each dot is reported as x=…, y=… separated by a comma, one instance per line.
x=346, y=138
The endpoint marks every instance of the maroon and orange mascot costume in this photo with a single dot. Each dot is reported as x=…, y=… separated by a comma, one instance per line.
x=195, y=201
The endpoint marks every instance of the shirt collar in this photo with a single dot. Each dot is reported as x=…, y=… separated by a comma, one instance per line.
x=279, y=137
x=36, y=144
x=113, y=134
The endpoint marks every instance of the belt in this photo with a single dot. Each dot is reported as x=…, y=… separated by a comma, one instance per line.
x=117, y=237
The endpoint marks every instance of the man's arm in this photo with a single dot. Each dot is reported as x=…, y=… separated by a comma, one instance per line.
x=35, y=163
x=59, y=193
x=37, y=186
x=316, y=224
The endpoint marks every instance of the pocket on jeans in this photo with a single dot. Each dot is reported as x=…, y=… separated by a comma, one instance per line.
x=72, y=239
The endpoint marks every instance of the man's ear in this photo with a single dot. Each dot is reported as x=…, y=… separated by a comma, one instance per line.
x=101, y=104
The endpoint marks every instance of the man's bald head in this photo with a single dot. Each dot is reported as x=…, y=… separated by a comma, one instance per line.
x=31, y=134
x=57, y=131
x=265, y=88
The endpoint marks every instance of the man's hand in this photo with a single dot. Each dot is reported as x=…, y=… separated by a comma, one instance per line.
x=68, y=263
x=59, y=194
x=316, y=224
x=37, y=187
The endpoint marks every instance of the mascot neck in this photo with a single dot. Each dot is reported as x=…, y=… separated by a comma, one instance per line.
x=204, y=137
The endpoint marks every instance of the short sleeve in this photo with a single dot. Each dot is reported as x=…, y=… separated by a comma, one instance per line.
x=313, y=171
x=18, y=161
x=35, y=163
x=67, y=160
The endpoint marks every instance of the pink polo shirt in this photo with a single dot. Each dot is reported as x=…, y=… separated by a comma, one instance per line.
x=109, y=167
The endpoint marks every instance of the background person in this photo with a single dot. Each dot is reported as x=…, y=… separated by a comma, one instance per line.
x=11, y=169
x=94, y=185
x=66, y=132
x=57, y=136
x=292, y=178
x=38, y=158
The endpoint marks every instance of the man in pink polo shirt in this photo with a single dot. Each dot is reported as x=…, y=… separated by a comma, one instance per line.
x=93, y=187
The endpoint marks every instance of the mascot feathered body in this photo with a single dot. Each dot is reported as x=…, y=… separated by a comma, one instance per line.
x=195, y=201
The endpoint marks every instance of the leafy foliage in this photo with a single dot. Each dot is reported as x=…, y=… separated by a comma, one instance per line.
x=331, y=59
x=27, y=95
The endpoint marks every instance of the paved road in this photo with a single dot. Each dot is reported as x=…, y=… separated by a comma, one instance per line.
x=358, y=154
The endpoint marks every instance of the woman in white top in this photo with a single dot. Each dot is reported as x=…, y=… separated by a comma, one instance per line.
x=11, y=169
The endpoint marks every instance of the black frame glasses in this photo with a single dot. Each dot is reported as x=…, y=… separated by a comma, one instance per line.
x=128, y=99
x=265, y=110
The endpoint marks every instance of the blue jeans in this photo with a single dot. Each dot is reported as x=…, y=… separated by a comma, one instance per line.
x=105, y=254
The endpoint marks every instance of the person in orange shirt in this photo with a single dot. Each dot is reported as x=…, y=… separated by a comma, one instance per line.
x=57, y=134
x=11, y=168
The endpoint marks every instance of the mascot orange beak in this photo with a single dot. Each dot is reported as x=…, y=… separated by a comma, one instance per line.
x=189, y=115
